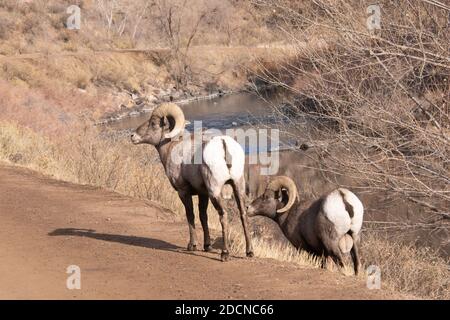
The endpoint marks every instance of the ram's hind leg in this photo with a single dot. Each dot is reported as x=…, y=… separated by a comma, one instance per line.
x=239, y=195
x=330, y=241
x=355, y=253
x=333, y=251
x=219, y=205
x=203, y=209
x=186, y=198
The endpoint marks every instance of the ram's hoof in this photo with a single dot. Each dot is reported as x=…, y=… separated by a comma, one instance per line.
x=208, y=248
x=250, y=254
x=192, y=247
x=224, y=256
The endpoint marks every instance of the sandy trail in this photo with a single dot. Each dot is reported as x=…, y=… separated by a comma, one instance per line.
x=130, y=249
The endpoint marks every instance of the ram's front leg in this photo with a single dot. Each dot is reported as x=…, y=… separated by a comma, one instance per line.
x=239, y=195
x=186, y=198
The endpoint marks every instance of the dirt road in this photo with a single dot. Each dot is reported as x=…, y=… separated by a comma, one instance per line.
x=130, y=249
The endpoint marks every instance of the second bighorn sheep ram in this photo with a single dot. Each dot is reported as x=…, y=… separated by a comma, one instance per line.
x=222, y=162
x=329, y=227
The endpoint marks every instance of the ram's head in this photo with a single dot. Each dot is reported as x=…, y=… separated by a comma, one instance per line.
x=166, y=122
x=278, y=197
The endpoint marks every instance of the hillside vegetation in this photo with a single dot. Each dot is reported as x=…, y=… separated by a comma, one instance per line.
x=151, y=49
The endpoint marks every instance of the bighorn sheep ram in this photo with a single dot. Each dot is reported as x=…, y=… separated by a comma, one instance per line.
x=222, y=162
x=329, y=227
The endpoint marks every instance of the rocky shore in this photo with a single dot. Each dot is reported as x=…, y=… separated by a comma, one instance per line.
x=138, y=104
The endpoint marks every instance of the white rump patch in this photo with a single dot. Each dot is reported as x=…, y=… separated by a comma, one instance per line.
x=214, y=158
x=335, y=211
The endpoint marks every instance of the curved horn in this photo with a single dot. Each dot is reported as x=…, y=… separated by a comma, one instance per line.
x=174, y=111
x=284, y=182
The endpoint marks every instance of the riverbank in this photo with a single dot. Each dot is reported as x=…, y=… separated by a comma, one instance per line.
x=143, y=105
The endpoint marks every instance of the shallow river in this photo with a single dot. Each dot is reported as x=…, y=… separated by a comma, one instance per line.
x=246, y=111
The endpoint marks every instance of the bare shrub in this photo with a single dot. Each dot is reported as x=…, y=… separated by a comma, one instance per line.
x=376, y=104
x=179, y=25
x=379, y=99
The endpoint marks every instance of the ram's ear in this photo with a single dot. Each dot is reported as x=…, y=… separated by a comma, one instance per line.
x=165, y=124
x=284, y=196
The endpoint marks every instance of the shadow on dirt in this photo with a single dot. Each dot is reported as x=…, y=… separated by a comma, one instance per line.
x=128, y=240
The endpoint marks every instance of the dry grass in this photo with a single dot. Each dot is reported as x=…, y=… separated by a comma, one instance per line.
x=37, y=28
x=406, y=268
x=87, y=159
x=49, y=109
x=22, y=146
x=270, y=249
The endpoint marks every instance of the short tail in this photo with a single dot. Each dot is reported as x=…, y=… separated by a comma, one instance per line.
x=228, y=158
x=348, y=206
